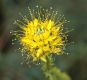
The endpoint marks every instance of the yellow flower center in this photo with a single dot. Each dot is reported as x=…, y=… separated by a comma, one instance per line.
x=41, y=38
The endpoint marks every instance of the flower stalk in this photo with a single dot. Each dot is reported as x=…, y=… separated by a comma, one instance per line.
x=51, y=72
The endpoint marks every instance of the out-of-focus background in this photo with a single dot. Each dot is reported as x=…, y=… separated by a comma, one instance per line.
x=74, y=64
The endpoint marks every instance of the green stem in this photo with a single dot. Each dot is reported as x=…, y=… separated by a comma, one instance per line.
x=51, y=72
x=46, y=67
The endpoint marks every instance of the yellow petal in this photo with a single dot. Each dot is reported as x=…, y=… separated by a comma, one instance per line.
x=43, y=59
x=39, y=52
x=35, y=22
x=50, y=24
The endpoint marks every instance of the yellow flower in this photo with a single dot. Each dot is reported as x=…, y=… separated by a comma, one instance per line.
x=42, y=35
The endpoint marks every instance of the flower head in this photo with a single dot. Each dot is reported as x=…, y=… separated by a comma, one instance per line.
x=42, y=34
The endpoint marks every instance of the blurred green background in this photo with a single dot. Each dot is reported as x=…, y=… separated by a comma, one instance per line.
x=74, y=64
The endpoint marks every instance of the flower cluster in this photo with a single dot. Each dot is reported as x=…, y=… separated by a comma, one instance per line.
x=42, y=35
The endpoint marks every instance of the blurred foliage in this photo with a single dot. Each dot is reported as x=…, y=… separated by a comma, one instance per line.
x=75, y=63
